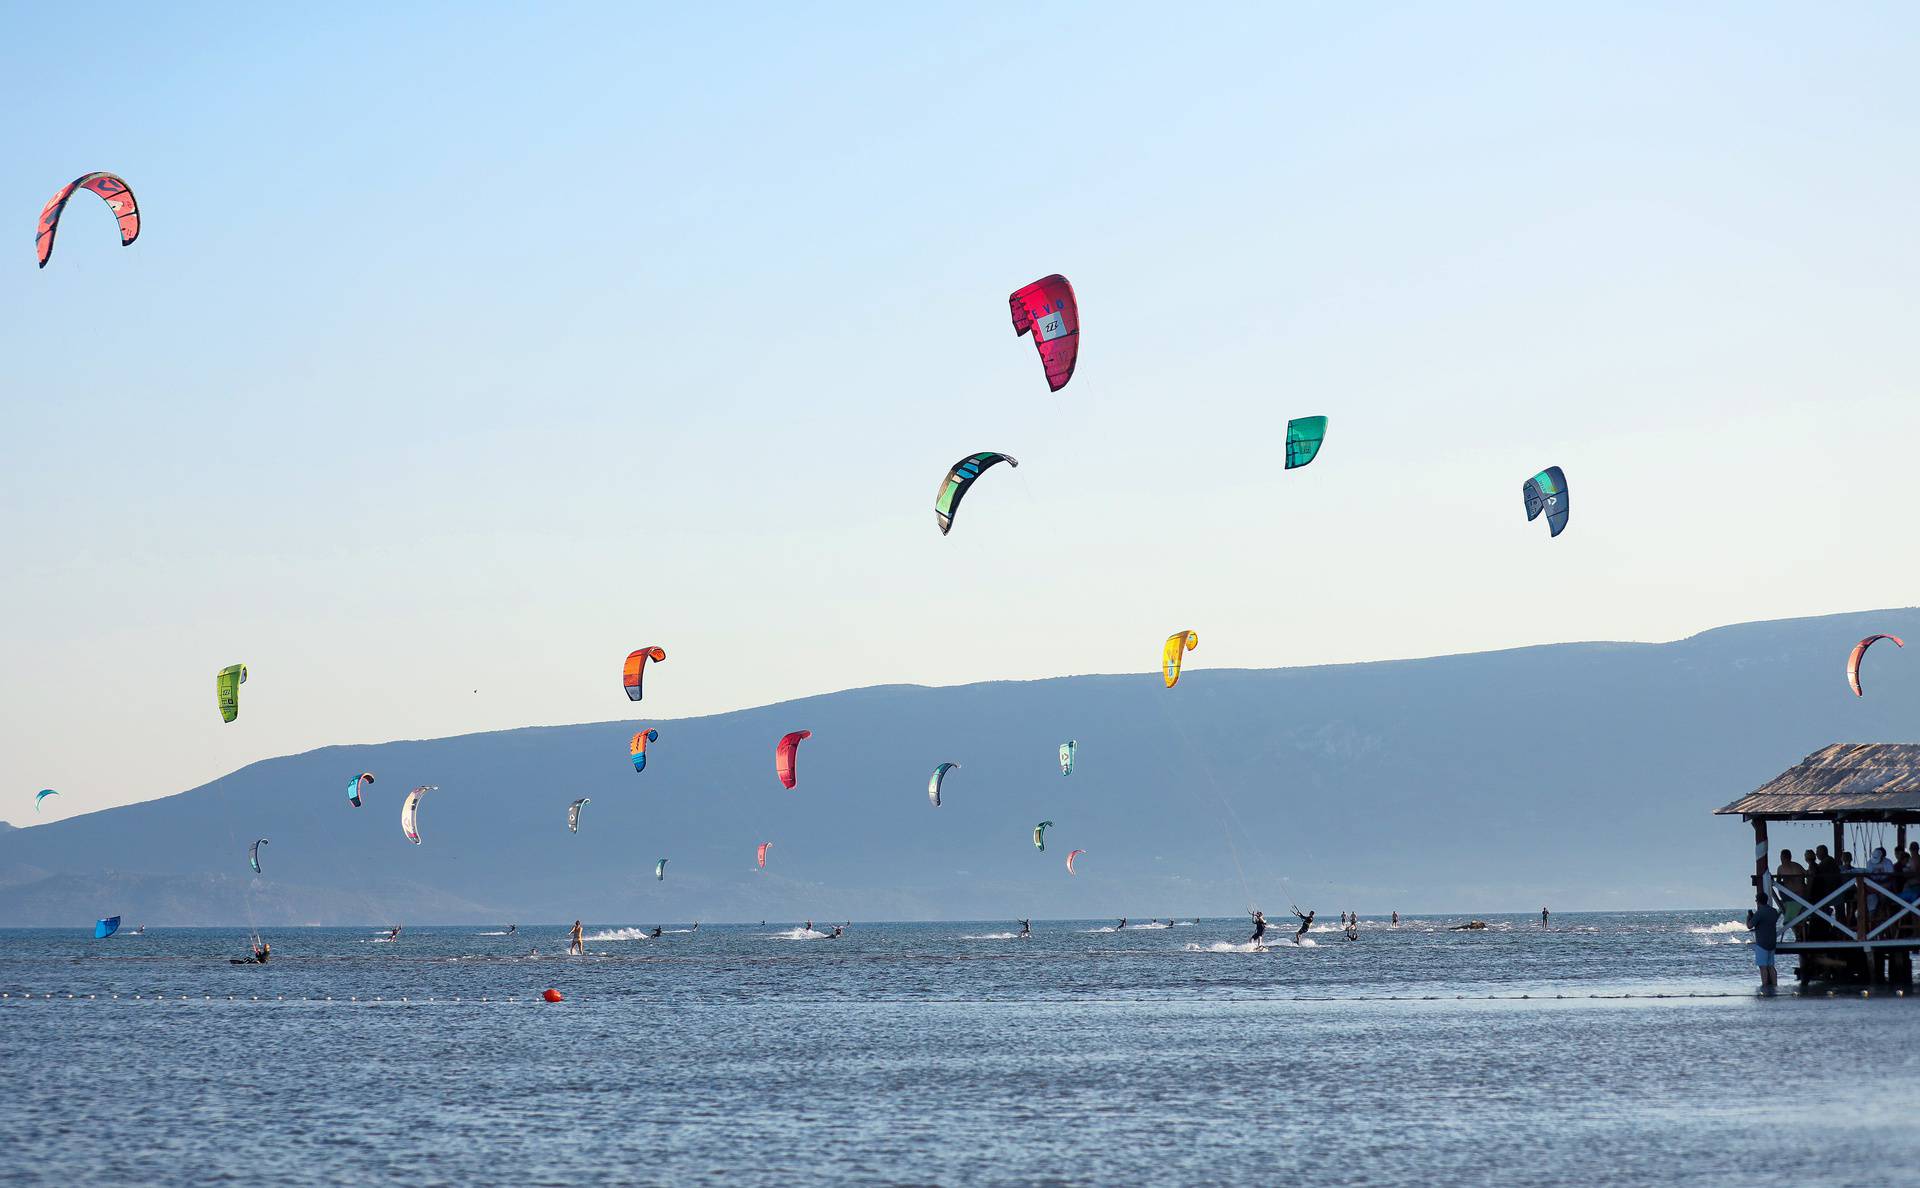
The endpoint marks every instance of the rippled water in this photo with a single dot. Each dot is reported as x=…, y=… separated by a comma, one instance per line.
x=946, y=1053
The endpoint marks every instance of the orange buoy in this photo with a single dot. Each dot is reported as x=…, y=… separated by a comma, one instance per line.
x=552, y=995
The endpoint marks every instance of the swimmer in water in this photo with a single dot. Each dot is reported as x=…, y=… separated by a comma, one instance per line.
x=1306, y=922
x=1259, y=927
x=1026, y=930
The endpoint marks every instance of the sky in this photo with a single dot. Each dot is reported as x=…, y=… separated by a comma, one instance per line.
x=467, y=348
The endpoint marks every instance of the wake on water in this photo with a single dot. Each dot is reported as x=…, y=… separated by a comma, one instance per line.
x=1250, y=947
x=994, y=936
x=1723, y=926
x=799, y=934
x=619, y=934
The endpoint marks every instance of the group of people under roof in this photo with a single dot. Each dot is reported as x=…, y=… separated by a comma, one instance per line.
x=1821, y=874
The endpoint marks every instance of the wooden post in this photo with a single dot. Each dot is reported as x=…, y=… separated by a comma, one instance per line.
x=1900, y=838
x=1760, y=883
x=1839, y=839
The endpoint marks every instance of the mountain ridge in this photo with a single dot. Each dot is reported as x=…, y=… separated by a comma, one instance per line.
x=1581, y=774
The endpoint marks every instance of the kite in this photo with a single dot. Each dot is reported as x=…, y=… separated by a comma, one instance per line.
x=639, y=748
x=953, y=488
x=660, y=870
x=410, y=812
x=1304, y=435
x=355, y=784
x=42, y=795
x=1047, y=309
x=764, y=847
x=636, y=664
x=784, y=755
x=1040, y=835
x=1547, y=492
x=1860, y=650
x=102, y=929
x=1170, y=655
x=1066, y=756
x=1071, y=857
x=939, y=777
x=253, y=855
x=573, y=814
x=227, y=686
x=111, y=189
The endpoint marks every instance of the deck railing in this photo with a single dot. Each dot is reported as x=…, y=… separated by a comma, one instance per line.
x=1859, y=912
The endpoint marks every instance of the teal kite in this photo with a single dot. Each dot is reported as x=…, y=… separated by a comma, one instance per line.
x=1304, y=435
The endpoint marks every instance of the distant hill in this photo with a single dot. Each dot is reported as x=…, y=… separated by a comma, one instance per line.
x=1576, y=775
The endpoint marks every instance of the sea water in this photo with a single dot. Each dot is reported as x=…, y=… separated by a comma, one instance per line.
x=1618, y=1048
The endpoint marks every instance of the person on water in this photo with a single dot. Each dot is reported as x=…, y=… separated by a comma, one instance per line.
x=1026, y=930
x=1353, y=930
x=835, y=934
x=1306, y=922
x=1396, y=918
x=393, y=933
x=809, y=925
x=1764, y=920
x=1121, y=926
x=1543, y=917
x=655, y=934
x=696, y=926
x=1259, y=927
x=512, y=928
x=262, y=953
x=574, y=942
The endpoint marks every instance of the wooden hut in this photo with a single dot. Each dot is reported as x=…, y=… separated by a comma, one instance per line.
x=1846, y=925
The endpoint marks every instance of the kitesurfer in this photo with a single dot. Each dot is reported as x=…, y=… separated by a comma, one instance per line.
x=574, y=942
x=512, y=928
x=1306, y=922
x=1396, y=917
x=1259, y=927
x=1121, y=926
x=835, y=934
x=696, y=926
x=393, y=933
x=1353, y=930
x=809, y=925
x=655, y=934
x=1026, y=930
x=1543, y=917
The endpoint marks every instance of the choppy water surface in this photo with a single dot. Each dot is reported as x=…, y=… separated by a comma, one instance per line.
x=945, y=1053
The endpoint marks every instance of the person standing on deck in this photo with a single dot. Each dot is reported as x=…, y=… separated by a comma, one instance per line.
x=1764, y=919
x=1792, y=877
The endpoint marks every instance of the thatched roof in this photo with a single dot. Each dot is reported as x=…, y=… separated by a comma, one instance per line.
x=1864, y=781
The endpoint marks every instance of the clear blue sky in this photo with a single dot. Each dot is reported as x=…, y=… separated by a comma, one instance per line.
x=468, y=347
